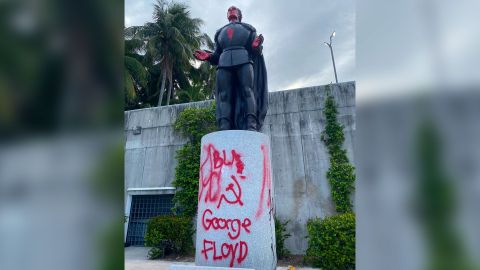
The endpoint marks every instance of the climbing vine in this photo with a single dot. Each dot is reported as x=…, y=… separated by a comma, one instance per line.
x=281, y=235
x=192, y=123
x=341, y=174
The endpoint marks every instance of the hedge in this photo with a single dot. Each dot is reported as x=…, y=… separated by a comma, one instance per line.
x=331, y=242
x=169, y=234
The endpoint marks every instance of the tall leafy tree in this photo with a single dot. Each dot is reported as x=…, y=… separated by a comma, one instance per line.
x=205, y=74
x=169, y=42
x=136, y=75
x=191, y=94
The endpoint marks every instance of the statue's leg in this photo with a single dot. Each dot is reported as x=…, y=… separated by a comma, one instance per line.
x=224, y=98
x=245, y=78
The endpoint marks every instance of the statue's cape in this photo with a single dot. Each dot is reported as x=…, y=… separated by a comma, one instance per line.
x=260, y=90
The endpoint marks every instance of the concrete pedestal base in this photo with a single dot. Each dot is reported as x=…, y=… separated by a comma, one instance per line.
x=235, y=222
x=194, y=267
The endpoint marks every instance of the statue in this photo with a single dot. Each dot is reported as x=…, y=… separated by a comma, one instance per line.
x=241, y=86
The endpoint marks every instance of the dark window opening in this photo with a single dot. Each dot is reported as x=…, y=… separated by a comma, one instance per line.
x=145, y=207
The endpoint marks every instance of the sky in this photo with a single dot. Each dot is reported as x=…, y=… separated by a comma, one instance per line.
x=411, y=47
x=294, y=33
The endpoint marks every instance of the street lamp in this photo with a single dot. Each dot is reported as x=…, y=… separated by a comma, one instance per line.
x=331, y=52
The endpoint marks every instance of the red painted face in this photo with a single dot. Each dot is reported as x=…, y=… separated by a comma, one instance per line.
x=233, y=14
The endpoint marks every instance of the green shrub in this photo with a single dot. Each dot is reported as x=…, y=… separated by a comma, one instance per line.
x=157, y=252
x=186, y=179
x=196, y=122
x=169, y=234
x=192, y=123
x=331, y=242
x=280, y=236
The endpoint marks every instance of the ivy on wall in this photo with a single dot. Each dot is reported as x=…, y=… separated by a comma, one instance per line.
x=331, y=240
x=341, y=174
x=193, y=123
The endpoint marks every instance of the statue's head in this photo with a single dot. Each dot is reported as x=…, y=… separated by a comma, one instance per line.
x=234, y=14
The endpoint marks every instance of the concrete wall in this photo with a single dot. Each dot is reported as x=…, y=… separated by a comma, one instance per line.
x=299, y=158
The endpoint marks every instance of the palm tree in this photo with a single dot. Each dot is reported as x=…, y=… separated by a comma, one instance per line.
x=170, y=41
x=204, y=76
x=191, y=94
x=136, y=74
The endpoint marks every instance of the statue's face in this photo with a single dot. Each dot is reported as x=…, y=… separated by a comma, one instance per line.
x=233, y=14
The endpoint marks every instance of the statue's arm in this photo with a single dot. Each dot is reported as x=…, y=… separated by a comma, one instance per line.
x=256, y=42
x=212, y=58
x=215, y=56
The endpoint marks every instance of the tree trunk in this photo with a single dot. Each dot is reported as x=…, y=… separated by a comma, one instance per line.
x=162, y=88
x=170, y=86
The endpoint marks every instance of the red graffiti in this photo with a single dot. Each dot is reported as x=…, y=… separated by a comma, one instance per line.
x=237, y=194
x=238, y=250
x=233, y=226
x=209, y=176
x=211, y=173
x=221, y=177
x=266, y=183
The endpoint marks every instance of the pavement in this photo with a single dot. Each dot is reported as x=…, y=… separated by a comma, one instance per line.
x=136, y=259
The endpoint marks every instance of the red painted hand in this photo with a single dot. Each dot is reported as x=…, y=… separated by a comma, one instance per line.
x=201, y=55
x=258, y=41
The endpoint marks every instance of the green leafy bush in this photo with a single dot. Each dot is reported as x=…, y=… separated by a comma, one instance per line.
x=193, y=123
x=331, y=242
x=280, y=236
x=341, y=174
x=169, y=234
x=186, y=179
x=196, y=122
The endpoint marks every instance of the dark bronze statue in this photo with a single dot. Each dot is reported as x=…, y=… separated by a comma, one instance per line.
x=241, y=86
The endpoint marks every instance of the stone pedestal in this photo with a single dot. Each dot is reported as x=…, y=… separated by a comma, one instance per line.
x=235, y=221
x=195, y=267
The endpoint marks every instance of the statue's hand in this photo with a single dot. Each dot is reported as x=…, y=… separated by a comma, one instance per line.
x=257, y=41
x=201, y=55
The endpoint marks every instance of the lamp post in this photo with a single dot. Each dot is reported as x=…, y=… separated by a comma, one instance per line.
x=331, y=52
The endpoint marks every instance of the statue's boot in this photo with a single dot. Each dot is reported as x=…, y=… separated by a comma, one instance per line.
x=224, y=124
x=252, y=122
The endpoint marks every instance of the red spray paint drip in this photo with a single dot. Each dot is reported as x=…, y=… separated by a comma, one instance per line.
x=266, y=183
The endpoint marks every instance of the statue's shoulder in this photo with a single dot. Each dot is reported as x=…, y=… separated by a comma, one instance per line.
x=219, y=30
x=216, y=34
x=248, y=26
